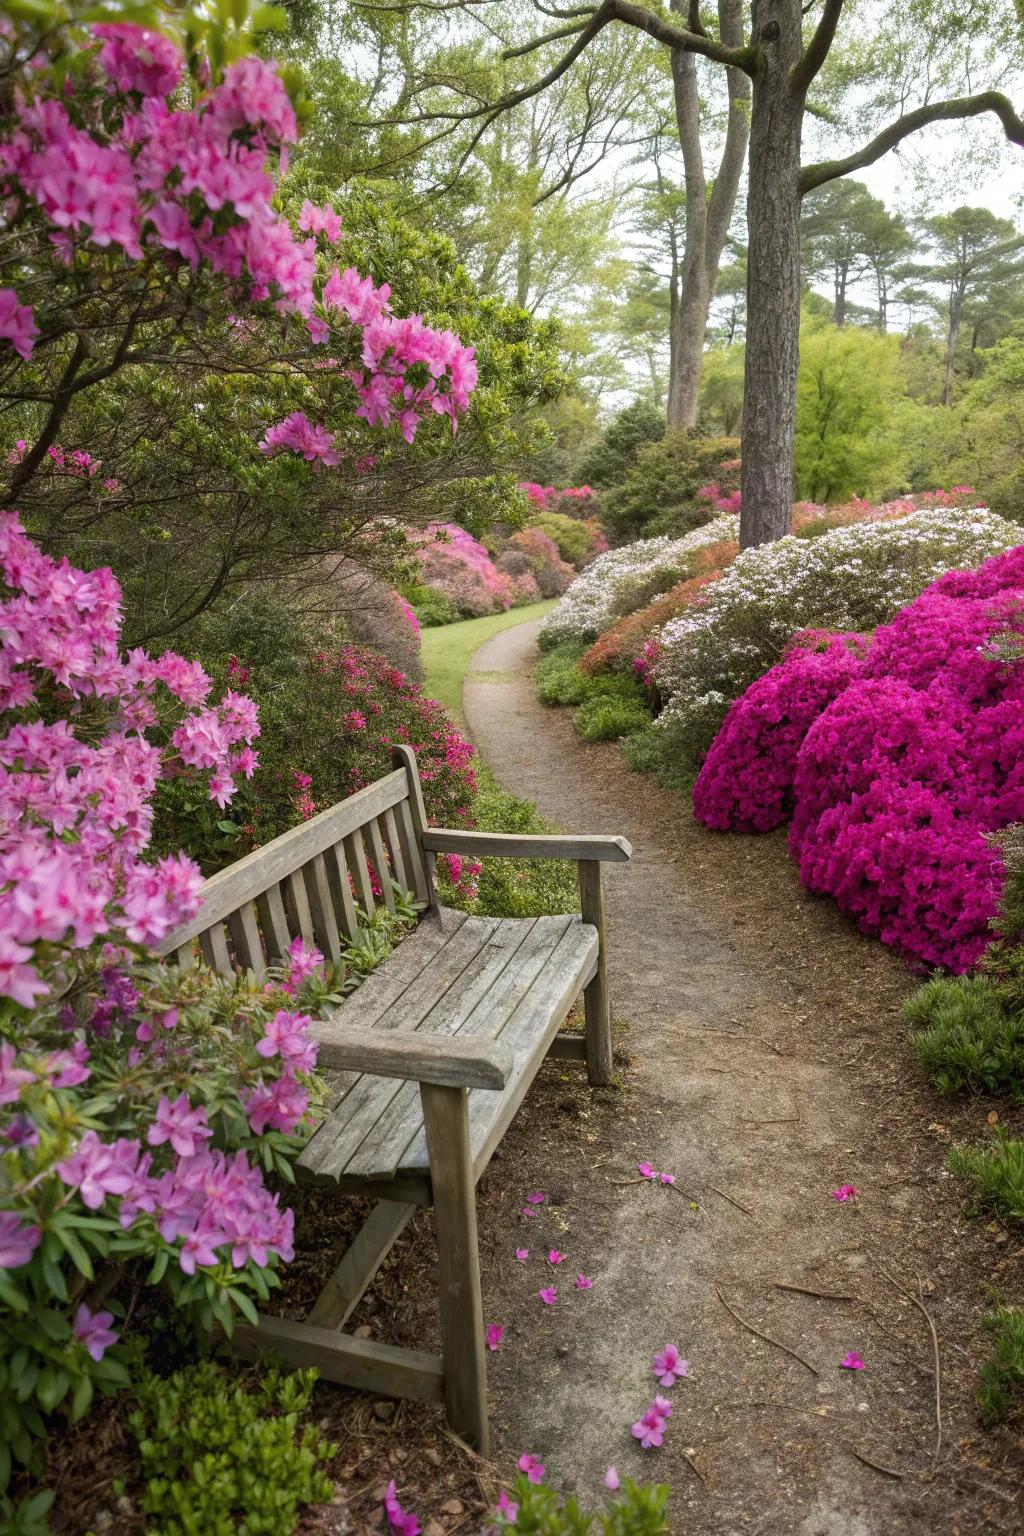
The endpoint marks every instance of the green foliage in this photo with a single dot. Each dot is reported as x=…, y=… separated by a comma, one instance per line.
x=1002, y=1376
x=969, y=1034
x=223, y=1459
x=997, y=1172
x=659, y=494
x=662, y=752
x=559, y=679
x=518, y=887
x=980, y=441
x=431, y=607
x=849, y=388
x=634, y=1511
x=721, y=392
x=572, y=537
x=29, y=1516
x=606, y=718
x=609, y=461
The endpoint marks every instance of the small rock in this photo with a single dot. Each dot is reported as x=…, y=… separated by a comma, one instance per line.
x=433, y=1456
x=562, y=1350
x=384, y=1411
x=433, y=1528
x=453, y=1507
x=364, y=1331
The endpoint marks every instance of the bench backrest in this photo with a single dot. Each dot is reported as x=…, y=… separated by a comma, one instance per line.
x=299, y=884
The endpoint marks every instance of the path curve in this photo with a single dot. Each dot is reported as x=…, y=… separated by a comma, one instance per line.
x=752, y=1073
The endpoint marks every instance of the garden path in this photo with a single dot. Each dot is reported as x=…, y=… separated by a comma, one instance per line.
x=765, y=1065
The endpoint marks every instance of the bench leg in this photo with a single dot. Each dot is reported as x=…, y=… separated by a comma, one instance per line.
x=596, y=1006
x=446, y=1119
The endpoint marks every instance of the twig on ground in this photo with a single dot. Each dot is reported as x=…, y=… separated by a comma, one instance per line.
x=716, y=1191
x=785, y=1120
x=805, y=1290
x=620, y=1183
x=766, y=1336
x=692, y=1198
x=918, y=1302
x=876, y=1466
x=693, y=1466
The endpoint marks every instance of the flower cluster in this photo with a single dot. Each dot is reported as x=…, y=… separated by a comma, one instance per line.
x=852, y=578
x=457, y=565
x=546, y=498
x=896, y=758
x=75, y=790
x=551, y=573
x=588, y=607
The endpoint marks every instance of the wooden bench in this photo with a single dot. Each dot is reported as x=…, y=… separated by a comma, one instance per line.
x=427, y=1061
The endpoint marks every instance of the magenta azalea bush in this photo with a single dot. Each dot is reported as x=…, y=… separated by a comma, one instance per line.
x=458, y=566
x=895, y=757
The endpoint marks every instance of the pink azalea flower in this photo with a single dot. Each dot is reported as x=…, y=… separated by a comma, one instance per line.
x=94, y=1331
x=402, y=1523
x=649, y=1429
x=554, y=1257
x=495, y=1334
x=532, y=1467
x=843, y=1193
x=536, y=1198
x=611, y=1480
x=662, y=1407
x=851, y=1361
x=667, y=1366
x=522, y=1254
x=584, y=1283
x=667, y=1178
x=548, y=1295
x=646, y=1171
x=507, y=1507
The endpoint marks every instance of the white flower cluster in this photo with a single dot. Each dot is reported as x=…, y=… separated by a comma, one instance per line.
x=586, y=609
x=850, y=579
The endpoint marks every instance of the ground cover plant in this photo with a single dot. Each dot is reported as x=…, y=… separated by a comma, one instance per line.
x=895, y=757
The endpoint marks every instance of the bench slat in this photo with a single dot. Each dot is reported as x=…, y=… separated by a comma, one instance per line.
x=380, y=862
x=245, y=935
x=321, y=907
x=270, y=906
x=412, y=853
x=395, y=848
x=344, y=901
x=225, y=892
x=366, y=1101
x=214, y=946
x=296, y=906
x=355, y=858
x=381, y=1150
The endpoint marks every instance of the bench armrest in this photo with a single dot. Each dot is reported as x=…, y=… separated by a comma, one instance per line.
x=421, y=1058
x=517, y=845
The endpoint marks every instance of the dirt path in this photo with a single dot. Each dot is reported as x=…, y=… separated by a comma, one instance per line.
x=764, y=1062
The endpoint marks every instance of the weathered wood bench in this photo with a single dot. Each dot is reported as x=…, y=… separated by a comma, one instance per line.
x=428, y=1060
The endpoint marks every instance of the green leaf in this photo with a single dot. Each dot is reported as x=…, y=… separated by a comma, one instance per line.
x=244, y=1304
x=82, y=1399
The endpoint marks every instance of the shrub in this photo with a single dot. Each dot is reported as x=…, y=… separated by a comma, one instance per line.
x=219, y=1456
x=376, y=616
x=578, y=542
x=997, y=1173
x=552, y=574
x=588, y=607
x=633, y=1511
x=431, y=606
x=621, y=645
x=606, y=718
x=559, y=680
x=853, y=578
x=459, y=567
x=518, y=887
x=968, y=1035
x=662, y=493
x=1002, y=1375
x=897, y=764
x=609, y=461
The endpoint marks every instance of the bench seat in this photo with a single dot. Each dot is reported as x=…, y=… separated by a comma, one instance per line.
x=511, y=980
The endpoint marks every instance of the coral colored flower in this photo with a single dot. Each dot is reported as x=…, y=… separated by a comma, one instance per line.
x=532, y=1467
x=584, y=1283
x=844, y=1193
x=851, y=1361
x=668, y=1366
x=646, y=1171
x=495, y=1334
x=522, y=1254
x=549, y=1295
x=554, y=1257
x=611, y=1480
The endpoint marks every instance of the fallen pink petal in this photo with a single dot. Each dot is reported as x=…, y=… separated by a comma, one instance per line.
x=611, y=1479
x=554, y=1257
x=844, y=1193
x=532, y=1467
x=536, y=1198
x=667, y=1178
x=584, y=1283
x=548, y=1295
x=646, y=1170
x=522, y=1254
x=668, y=1366
x=662, y=1407
x=495, y=1334
x=851, y=1361
x=649, y=1430
x=507, y=1507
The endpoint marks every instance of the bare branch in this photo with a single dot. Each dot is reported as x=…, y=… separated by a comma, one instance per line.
x=817, y=50
x=545, y=38
x=936, y=112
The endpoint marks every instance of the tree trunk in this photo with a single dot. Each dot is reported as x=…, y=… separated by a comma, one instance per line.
x=839, y=308
x=773, y=277
x=952, y=342
x=707, y=218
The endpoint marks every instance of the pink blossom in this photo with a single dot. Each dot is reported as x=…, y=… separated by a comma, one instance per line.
x=320, y=221
x=584, y=1283
x=532, y=1467
x=12, y=1079
x=646, y=1171
x=554, y=1257
x=649, y=1429
x=549, y=1295
x=668, y=1366
x=536, y=1198
x=851, y=1361
x=507, y=1507
x=94, y=1331
x=97, y=1168
x=667, y=1178
x=138, y=60
x=184, y=1127
x=17, y=323
x=844, y=1193
x=611, y=1480
x=495, y=1334
x=18, y=1240
x=522, y=1254
x=402, y=1523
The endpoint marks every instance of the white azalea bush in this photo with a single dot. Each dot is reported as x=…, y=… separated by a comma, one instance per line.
x=851, y=579
x=595, y=599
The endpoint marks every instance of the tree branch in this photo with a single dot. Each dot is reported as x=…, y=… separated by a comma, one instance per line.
x=937, y=112
x=817, y=50
x=543, y=39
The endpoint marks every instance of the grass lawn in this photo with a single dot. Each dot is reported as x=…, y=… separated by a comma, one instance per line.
x=447, y=649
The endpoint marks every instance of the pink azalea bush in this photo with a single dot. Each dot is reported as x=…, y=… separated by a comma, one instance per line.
x=895, y=757
x=458, y=566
